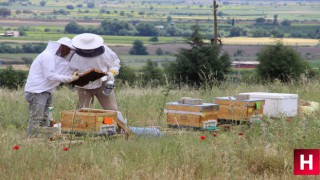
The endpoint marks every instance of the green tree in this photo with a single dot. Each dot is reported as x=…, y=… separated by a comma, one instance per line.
x=11, y=79
x=147, y=29
x=277, y=33
x=69, y=7
x=280, y=62
x=141, y=13
x=260, y=33
x=102, y=10
x=151, y=74
x=159, y=52
x=154, y=39
x=237, y=31
x=43, y=3
x=200, y=64
x=260, y=20
x=126, y=75
x=286, y=23
x=196, y=38
x=116, y=27
x=138, y=48
x=90, y=5
x=233, y=22
x=4, y=12
x=73, y=28
x=275, y=19
x=172, y=30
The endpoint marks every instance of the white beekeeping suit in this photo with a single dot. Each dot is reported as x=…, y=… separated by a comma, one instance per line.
x=91, y=54
x=48, y=70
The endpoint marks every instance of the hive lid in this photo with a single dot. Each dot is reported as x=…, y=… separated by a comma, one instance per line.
x=200, y=105
x=231, y=98
x=267, y=95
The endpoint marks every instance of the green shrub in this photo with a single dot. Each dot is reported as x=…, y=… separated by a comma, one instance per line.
x=280, y=62
x=12, y=79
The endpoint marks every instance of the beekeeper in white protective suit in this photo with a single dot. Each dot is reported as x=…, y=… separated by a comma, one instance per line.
x=48, y=70
x=90, y=54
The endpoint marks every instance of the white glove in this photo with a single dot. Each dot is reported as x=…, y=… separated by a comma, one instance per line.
x=109, y=76
x=74, y=76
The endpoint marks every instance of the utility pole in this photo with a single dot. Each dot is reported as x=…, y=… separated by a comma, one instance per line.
x=215, y=7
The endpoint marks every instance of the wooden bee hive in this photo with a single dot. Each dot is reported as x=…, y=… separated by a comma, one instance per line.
x=91, y=121
x=231, y=108
x=179, y=114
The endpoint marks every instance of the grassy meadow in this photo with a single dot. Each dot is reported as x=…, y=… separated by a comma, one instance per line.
x=263, y=151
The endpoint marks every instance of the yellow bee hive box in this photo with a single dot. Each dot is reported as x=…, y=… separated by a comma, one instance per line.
x=198, y=115
x=88, y=120
x=240, y=110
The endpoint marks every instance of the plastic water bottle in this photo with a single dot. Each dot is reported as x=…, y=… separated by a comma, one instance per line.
x=58, y=125
x=145, y=131
x=50, y=117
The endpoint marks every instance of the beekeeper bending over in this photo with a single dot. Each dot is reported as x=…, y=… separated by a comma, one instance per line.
x=90, y=54
x=48, y=70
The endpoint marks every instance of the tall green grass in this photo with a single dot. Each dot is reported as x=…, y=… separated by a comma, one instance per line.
x=264, y=151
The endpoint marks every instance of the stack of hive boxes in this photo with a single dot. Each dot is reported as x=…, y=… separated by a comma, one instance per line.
x=189, y=112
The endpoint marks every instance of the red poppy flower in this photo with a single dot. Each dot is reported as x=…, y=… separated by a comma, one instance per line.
x=16, y=147
x=66, y=149
x=203, y=137
x=240, y=133
x=214, y=134
x=289, y=119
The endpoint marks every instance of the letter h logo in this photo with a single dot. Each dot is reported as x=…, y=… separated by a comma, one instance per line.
x=306, y=162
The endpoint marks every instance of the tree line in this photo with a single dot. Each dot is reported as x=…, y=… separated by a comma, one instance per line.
x=24, y=48
x=124, y=28
x=261, y=28
x=200, y=65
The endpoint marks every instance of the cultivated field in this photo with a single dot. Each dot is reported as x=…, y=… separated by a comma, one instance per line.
x=309, y=53
x=42, y=24
x=263, y=151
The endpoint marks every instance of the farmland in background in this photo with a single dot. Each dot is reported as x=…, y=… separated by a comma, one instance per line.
x=54, y=15
x=154, y=10
x=43, y=23
x=310, y=53
x=263, y=151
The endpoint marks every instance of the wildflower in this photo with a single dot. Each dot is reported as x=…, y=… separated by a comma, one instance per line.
x=214, y=134
x=16, y=147
x=289, y=119
x=240, y=133
x=203, y=137
x=66, y=149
